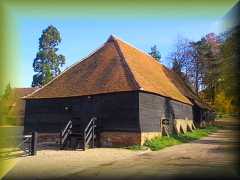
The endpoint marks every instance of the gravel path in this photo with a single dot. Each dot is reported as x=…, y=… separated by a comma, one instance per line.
x=211, y=156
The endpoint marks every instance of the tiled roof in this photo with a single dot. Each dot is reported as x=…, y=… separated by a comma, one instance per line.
x=115, y=67
x=185, y=89
x=20, y=92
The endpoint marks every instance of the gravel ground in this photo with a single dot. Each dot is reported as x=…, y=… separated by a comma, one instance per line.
x=56, y=163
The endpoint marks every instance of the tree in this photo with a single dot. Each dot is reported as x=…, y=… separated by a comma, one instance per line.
x=177, y=67
x=7, y=91
x=230, y=65
x=212, y=66
x=194, y=60
x=211, y=62
x=181, y=58
x=47, y=63
x=196, y=72
x=4, y=101
x=155, y=53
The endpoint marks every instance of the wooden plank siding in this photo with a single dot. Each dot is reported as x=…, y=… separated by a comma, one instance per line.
x=153, y=107
x=123, y=111
x=115, y=112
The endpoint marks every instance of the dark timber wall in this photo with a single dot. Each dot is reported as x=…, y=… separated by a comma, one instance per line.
x=197, y=114
x=115, y=112
x=200, y=115
x=154, y=107
x=125, y=111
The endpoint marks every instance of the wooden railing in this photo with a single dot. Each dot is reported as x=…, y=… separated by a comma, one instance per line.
x=65, y=133
x=89, y=133
x=86, y=136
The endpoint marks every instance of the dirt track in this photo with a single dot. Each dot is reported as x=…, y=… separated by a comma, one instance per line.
x=212, y=156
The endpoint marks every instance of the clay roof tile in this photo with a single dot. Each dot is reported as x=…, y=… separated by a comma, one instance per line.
x=115, y=67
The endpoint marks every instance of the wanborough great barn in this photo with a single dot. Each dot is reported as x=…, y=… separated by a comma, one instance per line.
x=131, y=95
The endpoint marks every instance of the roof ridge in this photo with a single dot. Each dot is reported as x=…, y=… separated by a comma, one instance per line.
x=114, y=37
x=125, y=64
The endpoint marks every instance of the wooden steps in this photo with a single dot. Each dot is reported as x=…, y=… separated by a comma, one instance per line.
x=76, y=137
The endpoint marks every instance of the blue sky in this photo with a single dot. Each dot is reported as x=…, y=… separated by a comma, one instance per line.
x=81, y=36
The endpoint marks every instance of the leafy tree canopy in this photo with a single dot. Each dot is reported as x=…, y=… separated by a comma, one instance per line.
x=47, y=62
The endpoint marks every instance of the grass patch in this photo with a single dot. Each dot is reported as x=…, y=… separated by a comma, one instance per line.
x=158, y=143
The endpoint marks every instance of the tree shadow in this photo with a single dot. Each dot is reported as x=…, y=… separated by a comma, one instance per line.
x=169, y=114
x=214, y=141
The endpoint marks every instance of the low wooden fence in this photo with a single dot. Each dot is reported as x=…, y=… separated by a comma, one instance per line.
x=27, y=143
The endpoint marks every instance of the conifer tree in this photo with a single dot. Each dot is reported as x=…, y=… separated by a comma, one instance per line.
x=47, y=62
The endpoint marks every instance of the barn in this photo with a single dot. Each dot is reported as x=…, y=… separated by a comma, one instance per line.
x=131, y=96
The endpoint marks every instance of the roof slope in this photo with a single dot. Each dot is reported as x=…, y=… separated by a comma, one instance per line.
x=149, y=73
x=115, y=67
x=184, y=88
x=20, y=92
x=101, y=72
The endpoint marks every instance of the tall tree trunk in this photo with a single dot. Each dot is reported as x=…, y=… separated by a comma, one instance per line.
x=196, y=78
